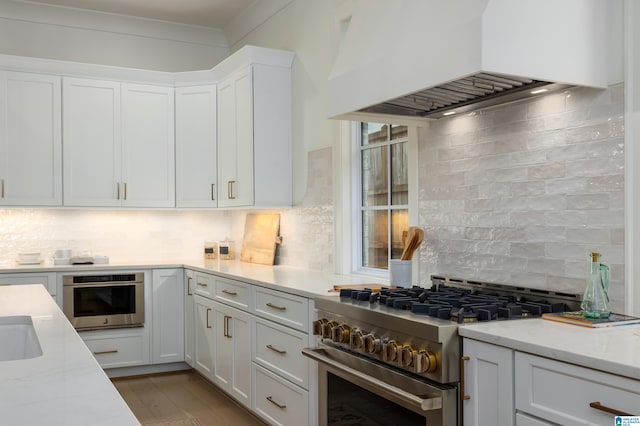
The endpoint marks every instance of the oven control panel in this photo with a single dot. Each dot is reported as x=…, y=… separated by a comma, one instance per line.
x=402, y=351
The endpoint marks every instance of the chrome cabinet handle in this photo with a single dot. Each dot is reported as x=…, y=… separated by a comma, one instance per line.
x=606, y=409
x=208, y=310
x=113, y=351
x=226, y=326
x=125, y=191
x=189, y=292
x=280, y=351
x=463, y=395
x=281, y=406
x=279, y=308
x=230, y=189
x=230, y=293
x=213, y=189
x=2, y=196
x=118, y=190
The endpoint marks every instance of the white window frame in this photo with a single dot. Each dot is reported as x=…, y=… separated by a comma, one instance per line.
x=348, y=190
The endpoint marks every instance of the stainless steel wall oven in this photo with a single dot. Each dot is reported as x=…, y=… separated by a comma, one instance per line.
x=104, y=300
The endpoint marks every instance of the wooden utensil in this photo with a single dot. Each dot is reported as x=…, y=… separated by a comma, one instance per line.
x=415, y=236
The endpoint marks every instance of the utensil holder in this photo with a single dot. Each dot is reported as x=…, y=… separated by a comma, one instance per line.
x=400, y=273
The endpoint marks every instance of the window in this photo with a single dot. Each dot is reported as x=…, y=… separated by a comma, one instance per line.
x=383, y=205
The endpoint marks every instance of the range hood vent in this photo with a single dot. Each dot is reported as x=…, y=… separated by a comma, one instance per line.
x=418, y=59
x=470, y=93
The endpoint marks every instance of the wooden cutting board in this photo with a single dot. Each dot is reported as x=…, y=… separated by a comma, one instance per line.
x=260, y=238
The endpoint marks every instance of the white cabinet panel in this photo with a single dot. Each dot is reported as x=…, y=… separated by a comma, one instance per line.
x=488, y=379
x=118, y=348
x=189, y=318
x=168, y=316
x=278, y=401
x=30, y=140
x=118, y=144
x=148, y=166
x=196, y=149
x=204, y=336
x=92, y=143
x=232, y=361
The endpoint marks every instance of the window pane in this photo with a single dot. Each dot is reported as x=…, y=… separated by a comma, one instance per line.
x=399, y=228
x=374, y=176
x=398, y=132
x=399, y=174
x=375, y=243
x=374, y=133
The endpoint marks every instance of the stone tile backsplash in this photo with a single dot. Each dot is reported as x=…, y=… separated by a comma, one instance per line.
x=521, y=193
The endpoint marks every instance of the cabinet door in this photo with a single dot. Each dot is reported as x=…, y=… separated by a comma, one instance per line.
x=92, y=150
x=189, y=318
x=196, y=152
x=168, y=316
x=232, y=362
x=489, y=384
x=148, y=162
x=204, y=336
x=235, y=141
x=30, y=140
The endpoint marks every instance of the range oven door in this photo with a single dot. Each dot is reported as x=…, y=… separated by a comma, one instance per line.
x=104, y=304
x=354, y=390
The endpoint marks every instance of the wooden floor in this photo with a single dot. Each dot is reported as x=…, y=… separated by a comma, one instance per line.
x=181, y=398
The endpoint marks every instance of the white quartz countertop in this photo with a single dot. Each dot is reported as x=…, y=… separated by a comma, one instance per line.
x=611, y=349
x=297, y=281
x=64, y=386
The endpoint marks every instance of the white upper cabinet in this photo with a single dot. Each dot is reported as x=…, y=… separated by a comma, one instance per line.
x=92, y=143
x=30, y=140
x=254, y=128
x=148, y=158
x=118, y=144
x=196, y=152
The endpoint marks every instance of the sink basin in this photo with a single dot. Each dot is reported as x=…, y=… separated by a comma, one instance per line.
x=18, y=338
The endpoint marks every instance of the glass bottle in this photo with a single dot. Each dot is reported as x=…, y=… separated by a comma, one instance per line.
x=595, y=301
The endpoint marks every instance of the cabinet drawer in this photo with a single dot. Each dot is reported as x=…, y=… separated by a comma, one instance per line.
x=561, y=392
x=278, y=401
x=204, y=285
x=47, y=279
x=119, y=351
x=279, y=349
x=284, y=308
x=234, y=293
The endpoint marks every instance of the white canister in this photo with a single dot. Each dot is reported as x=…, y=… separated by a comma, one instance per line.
x=400, y=273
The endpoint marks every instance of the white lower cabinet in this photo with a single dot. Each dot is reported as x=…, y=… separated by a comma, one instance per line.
x=567, y=394
x=232, y=352
x=189, y=318
x=488, y=384
x=506, y=387
x=47, y=279
x=119, y=348
x=204, y=336
x=167, y=316
x=278, y=401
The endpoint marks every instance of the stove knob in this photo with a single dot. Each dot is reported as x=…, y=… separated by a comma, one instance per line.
x=390, y=351
x=407, y=356
x=425, y=362
x=327, y=327
x=372, y=344
x=356, y=340
x=340, y=333
x=317, y=326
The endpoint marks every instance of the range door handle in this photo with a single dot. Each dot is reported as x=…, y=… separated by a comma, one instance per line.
x=373, y=384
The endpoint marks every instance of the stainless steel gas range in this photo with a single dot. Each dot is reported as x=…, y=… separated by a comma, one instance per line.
x=394, y=356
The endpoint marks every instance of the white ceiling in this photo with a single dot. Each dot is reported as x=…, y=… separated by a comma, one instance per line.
x=209, y=13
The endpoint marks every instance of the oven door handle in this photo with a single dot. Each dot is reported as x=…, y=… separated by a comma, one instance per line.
x=427, y=404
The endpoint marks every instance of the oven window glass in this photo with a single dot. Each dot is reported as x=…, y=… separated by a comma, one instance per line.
x=107, y=300
x=349, y=404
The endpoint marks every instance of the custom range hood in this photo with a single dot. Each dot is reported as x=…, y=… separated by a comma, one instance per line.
x=430, y=58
